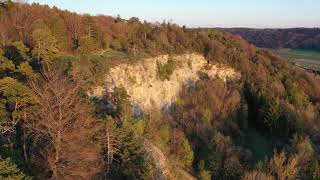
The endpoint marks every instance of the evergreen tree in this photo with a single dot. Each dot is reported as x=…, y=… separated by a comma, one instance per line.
x=16, y=97
x=92, y=30
x=59, y=31
x=87, y=45
x=10, y=171
x=134, y=163
x=45, y=44
x=6, y=66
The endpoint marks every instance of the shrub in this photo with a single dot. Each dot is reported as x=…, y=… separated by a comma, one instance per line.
x=180, y=148
x=187, y=153
x=116, y=44
x=165, y=71
x=163, y=137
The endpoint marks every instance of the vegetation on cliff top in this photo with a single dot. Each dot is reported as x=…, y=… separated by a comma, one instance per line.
x=49, y=58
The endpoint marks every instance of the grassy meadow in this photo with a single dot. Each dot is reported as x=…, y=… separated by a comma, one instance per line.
x=307, y=59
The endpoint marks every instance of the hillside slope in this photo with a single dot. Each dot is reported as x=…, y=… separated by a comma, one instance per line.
x=241, y=104
x=296, y=38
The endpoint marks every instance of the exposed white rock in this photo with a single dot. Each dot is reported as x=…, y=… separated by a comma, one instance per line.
x=162, y=168
x=158, y=159
x=147, y=91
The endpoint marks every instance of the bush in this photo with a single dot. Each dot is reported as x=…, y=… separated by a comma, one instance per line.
x=116, y=44
x=163, y=137
x=180, y=148
x=165, y=71
x=187, y=153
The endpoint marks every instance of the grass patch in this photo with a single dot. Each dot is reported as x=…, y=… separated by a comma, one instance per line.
x=307, y=59
x=299, y=54
x=123, y=56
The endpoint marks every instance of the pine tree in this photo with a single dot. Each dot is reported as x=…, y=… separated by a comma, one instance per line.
x=10, y=171
x=45, y=44
x=87, y=45
x=133, y=161
x=59, y=31
x=16, y=97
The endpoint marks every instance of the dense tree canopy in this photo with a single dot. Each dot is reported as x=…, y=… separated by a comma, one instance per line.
x=264, y=125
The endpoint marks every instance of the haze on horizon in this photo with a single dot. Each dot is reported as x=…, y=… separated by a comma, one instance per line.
x=204, y=13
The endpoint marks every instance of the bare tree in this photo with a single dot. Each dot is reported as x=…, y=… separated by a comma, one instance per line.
x=73, y=24
x=108, y=139
x=4, y=34
x=21, y=18
x=62, y=124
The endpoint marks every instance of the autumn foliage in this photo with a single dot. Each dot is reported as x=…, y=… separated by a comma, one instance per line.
x=264, y=125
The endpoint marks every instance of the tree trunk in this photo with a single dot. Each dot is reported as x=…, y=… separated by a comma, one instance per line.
x=25, y=154
x=55, y=168
x=39, y=45
x=134, y=49
x=26, y=159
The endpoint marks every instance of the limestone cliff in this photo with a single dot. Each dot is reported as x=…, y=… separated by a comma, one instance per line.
x=147, y=90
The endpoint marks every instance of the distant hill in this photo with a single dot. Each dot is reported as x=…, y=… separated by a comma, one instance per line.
x=97, y=97
x=295, y=38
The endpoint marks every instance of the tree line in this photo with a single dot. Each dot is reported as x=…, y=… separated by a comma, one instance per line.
x=50, y=128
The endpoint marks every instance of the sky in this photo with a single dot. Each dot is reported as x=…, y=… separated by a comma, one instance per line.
x=204, y=13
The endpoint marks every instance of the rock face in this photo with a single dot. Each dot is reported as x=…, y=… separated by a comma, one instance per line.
x=148, y=91
x=162, y=169
x=158, y=159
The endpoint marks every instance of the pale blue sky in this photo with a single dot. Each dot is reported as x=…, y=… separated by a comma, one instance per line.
x=205, y=13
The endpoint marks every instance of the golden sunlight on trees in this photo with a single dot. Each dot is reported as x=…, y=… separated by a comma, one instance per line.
x=284, y=168
x=10, y=171
x=45, y=45
x=53, y=62
x=62, y=124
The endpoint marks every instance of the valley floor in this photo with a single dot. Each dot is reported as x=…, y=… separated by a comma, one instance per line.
x=307, y=59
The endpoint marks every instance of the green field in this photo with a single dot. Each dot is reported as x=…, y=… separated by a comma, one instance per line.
x=304, y=58
x=299, y=54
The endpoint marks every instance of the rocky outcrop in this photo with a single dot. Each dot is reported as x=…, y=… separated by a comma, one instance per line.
x=162, y=169
x=147, y=90
x=158, y=159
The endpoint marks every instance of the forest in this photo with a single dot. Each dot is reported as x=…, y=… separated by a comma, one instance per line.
x=293, y=38
x=264, y=125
